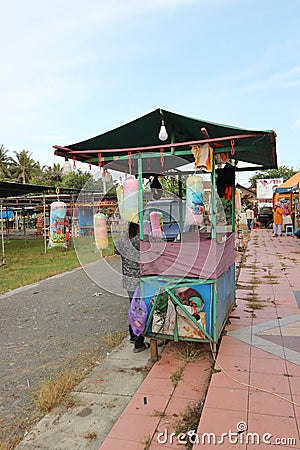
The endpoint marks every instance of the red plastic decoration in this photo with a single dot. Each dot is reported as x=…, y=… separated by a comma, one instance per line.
x=90, y=165
x=148, y=164
x=162, y=159
x=129, y=162
x=74, y=162
x=232, y=147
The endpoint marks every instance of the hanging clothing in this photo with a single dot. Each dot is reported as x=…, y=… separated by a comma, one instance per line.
x=203, y=155
x=225, y=181
x=222, y=157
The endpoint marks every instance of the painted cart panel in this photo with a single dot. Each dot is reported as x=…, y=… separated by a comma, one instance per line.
x=218, y=297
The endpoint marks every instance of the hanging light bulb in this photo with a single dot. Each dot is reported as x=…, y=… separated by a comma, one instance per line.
x=67, y=168
x=163, y=135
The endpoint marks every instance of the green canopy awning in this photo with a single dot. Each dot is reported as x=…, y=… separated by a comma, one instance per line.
x=141, y=135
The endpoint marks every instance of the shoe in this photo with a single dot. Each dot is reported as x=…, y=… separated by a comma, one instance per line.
x=145, y=346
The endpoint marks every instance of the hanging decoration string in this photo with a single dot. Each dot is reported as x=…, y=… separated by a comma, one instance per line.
x=74, y=162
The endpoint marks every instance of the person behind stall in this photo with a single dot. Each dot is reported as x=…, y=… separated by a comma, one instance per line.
x=277, y=219
x=255, y=212
x=297, y=233
x=249, y=217
x=128, y=248
x=286, y=218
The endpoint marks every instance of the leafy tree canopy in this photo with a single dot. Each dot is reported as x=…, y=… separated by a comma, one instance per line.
x=76, y=180
x=4, y=160
x=282, y=172
x=23, y=167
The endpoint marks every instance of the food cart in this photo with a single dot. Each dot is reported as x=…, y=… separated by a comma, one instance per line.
x=188, y=283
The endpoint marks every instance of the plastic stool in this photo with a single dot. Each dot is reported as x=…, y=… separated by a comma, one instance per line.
x=257, y=224
x=289, y=230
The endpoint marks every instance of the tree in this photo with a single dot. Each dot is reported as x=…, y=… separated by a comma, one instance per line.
x=23, y=168
x=171, y=184
x=49, y=176
x=4, y=160
x=76, y=180
x=282, y=172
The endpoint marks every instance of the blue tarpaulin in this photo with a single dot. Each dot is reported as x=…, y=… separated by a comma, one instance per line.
x=6, y=214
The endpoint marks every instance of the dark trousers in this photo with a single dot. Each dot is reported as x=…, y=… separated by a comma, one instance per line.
x=249, y=223
x=138, y=340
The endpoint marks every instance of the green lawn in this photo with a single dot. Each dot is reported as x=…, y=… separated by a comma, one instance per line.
x=26, y=261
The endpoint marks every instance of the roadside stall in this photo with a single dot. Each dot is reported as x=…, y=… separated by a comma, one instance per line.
x=289, y=197
x=187, y=246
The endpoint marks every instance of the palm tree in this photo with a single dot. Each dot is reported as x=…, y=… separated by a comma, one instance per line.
x=4, y=160
x=23, y=168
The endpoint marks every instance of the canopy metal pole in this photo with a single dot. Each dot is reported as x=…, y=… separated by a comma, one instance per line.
x=233, y=207
x=44, y=213
x=6, y=223
x=2, y=236
x=172, y=144
x=180, y=194
x=213, y=200
x=140, y=196
x=24, y=224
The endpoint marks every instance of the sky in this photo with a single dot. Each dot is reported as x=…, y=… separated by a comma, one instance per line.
x=71, y=70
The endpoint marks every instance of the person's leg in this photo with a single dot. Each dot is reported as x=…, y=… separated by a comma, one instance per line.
x=279, y=232
x=133, y=337
x=139, y=341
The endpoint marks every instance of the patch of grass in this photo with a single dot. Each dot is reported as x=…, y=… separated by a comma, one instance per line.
x=189, y=420
x=26, y=261
x=255, y=303
x=189, y=352
x=176, y=376
x=114, y=339
x=52, y=391
x=270, y=279
x=87, y=250
x=147, y=442
x=157, y=413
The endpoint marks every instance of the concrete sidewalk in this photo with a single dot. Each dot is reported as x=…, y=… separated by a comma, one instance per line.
x=253, y=393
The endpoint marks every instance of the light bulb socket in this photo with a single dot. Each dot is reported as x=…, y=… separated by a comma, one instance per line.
x=66, y=168
x=163, y=135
